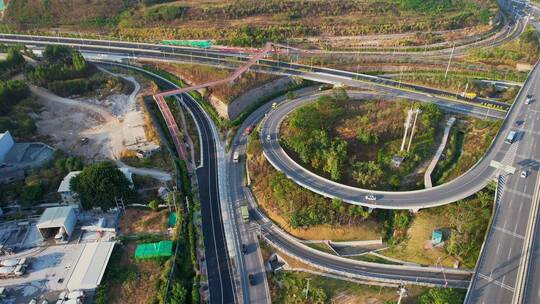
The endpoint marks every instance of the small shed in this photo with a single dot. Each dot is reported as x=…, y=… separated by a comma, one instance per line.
x=58, y=223
x=397, y=160
x=437, y=236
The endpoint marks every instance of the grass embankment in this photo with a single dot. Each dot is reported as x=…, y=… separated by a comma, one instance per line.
x=300, y=212
x=468, y=141
x=289, y=287
x=198, y=74
x=464, y=225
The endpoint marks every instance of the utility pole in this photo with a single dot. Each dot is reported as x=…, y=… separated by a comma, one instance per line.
x=450, y=60
x=307, y=287
x=402, y=293
x=400, y=74
x=407, y=125
x=417, y=111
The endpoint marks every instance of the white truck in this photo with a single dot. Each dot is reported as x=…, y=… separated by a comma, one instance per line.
x=13, y=262
x=12, y=271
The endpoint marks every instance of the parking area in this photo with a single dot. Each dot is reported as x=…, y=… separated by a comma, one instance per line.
x=51, y=268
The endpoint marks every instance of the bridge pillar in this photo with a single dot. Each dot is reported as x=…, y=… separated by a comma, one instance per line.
x=414, y=210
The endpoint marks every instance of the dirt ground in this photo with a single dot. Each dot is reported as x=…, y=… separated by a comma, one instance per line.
x=418, y=248
x=67, y=121
x=138, y=288
x=137, y=221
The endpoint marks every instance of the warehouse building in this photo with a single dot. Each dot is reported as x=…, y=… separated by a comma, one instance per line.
x=58, y=223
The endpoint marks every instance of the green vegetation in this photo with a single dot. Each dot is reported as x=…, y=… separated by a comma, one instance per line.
x=469, y=221
x=442, y=296
x=354, y=142
x=464, y=224
x=293, y=206
x=14, y=63
x=246, y=22
x=65, y=72
x=525, y=49
x=16, y=105
x=100, y=185
x=11, y=93
x=290, y=287
x=42, y=183
x=468, y=141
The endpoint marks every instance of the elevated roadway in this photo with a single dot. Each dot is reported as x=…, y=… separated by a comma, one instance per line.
x=429, y=276
x=469, y=183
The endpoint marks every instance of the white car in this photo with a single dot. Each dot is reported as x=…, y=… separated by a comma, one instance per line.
x=529, y=99
x=268, y=137
x=371, y=197
x=523, y=174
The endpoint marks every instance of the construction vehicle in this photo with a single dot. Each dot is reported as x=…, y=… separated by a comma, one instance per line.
x=470, y=96
x=245, y=213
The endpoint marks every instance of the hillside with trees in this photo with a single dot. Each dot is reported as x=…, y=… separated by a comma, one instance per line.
x=246, y=22
x=65, y=72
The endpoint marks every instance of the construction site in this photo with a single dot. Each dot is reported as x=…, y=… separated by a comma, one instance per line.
x=96, y=128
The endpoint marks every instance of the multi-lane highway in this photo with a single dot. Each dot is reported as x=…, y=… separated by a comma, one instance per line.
x=495, y=279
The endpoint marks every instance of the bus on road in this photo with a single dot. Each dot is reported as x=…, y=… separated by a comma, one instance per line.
x=511, y=137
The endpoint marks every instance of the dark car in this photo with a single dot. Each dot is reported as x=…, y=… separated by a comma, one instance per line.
x=244, y=249
x=251, y=278
x=84, y=140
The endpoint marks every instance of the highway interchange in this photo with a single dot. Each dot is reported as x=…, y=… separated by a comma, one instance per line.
x=501, y=267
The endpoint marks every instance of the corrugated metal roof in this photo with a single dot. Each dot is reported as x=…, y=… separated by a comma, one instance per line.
x=64, y=185
x=55, y=217
x=91, y=266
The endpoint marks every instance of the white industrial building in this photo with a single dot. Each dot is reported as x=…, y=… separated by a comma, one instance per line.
x=58, y=223
x=16, y=158
x=90, y=266
x=6, y=143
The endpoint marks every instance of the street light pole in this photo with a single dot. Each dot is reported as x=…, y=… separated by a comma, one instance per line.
x=449, y=60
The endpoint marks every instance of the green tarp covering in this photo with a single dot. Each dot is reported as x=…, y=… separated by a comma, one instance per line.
x=154, y=250
x=172, y=219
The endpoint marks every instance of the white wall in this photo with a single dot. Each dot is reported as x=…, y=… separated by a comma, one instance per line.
x=6, y=142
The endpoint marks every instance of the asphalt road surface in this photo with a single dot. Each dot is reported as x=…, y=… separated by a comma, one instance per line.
x=495, y=279
x=216, y=254
x=326, y=262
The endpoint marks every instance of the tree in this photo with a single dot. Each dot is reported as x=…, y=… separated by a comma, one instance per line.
x=442, y=296
x=99, y=185
x=178, y=294
x=154, y=205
